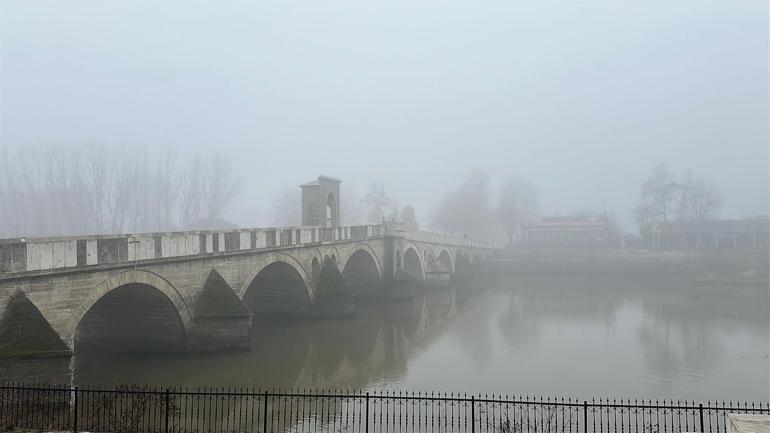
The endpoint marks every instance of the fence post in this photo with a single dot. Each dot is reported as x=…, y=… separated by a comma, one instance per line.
x=167, y=406
x=75, y=414
x=700, y=410
x=264, y=415
x=473, y=414
x=585, y=416
x=367, y=412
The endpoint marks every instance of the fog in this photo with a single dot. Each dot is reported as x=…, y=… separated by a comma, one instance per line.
x=580, y=99
x=377, y=216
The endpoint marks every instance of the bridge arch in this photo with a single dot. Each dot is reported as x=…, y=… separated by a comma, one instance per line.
x=413, y=264
x=132, y=310
x=280, y=287
x=330, y=213
x=446, y=259
x=462, y=263
x=362, y=269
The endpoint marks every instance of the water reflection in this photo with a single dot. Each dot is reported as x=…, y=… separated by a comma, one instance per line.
x=652, y=335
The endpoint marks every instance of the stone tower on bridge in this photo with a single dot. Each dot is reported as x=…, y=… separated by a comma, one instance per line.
x=321, y=202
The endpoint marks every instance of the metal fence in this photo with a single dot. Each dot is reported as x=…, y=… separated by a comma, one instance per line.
x=145, y=409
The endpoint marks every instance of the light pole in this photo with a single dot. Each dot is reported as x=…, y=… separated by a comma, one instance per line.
x=136, y=251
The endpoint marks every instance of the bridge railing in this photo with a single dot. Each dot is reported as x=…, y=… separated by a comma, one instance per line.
x=31, y=254
x=34, y=254
x=400, y=229
x=155, y=410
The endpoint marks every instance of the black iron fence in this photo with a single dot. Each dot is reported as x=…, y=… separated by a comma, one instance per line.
x=154, y=410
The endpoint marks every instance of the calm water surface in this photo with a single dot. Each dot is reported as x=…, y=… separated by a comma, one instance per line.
x=580, y=335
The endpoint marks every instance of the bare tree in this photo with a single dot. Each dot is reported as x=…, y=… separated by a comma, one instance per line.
x=686, y=189
x=518, y=204
x=220, y=187
x=100, y=188
x=376, y=202
x=466, y=211
x=658, y=195
x=209, y=187
x=408, y=217
x=692, y=198
x=287, y=208
x=705, y=200
x=191, y=190
x=351, y=207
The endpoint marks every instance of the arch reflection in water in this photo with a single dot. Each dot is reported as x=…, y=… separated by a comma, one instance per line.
x=653, y=333
x=374, y=346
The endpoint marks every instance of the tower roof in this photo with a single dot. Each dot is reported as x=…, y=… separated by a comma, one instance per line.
x=318, y=181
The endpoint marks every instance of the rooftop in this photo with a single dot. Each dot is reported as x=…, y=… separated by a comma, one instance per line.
x=320, y=178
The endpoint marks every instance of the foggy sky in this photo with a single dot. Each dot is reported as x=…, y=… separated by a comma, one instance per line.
x=583, y=99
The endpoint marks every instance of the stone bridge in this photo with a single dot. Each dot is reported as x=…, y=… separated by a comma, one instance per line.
x=201, y=291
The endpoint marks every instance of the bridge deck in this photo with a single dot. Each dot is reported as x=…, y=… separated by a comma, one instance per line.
x=23, y=255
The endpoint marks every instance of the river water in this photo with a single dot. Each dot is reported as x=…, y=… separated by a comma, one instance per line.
x=646, y=335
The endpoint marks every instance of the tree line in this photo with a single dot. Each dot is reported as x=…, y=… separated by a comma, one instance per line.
x=99, y=188
x=472, y=210
x=373, y=207
x=468, y=210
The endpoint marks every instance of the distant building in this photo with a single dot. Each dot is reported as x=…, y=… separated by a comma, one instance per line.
x=577, y=231
x=713, y=234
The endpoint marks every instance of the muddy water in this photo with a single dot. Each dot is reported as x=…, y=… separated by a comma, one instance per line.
x=582, y=334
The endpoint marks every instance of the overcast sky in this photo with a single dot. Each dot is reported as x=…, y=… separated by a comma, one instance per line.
x=583, y=99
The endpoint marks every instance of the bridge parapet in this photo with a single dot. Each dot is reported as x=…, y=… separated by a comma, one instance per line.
x=51, y=253
x=398, y=229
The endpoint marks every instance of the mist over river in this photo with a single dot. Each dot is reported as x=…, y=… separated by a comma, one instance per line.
x=649, y=333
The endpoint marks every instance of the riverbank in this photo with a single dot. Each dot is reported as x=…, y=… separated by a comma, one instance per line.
x=722, y=267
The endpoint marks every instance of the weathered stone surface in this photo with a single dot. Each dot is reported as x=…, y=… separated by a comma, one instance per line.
x=210, y=294
x=334, y=296
x=220, y=321
x=217, y=299
x=24, y=331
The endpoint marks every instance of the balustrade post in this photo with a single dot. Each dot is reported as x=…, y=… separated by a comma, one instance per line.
x=75, y=413
x=700, y=410
x=585, y=416
x=165, y=424
x=367, y=412
x=264, y=415
x=473, y=414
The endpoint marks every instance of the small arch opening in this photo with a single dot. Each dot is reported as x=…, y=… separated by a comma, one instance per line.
x=331, y=211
